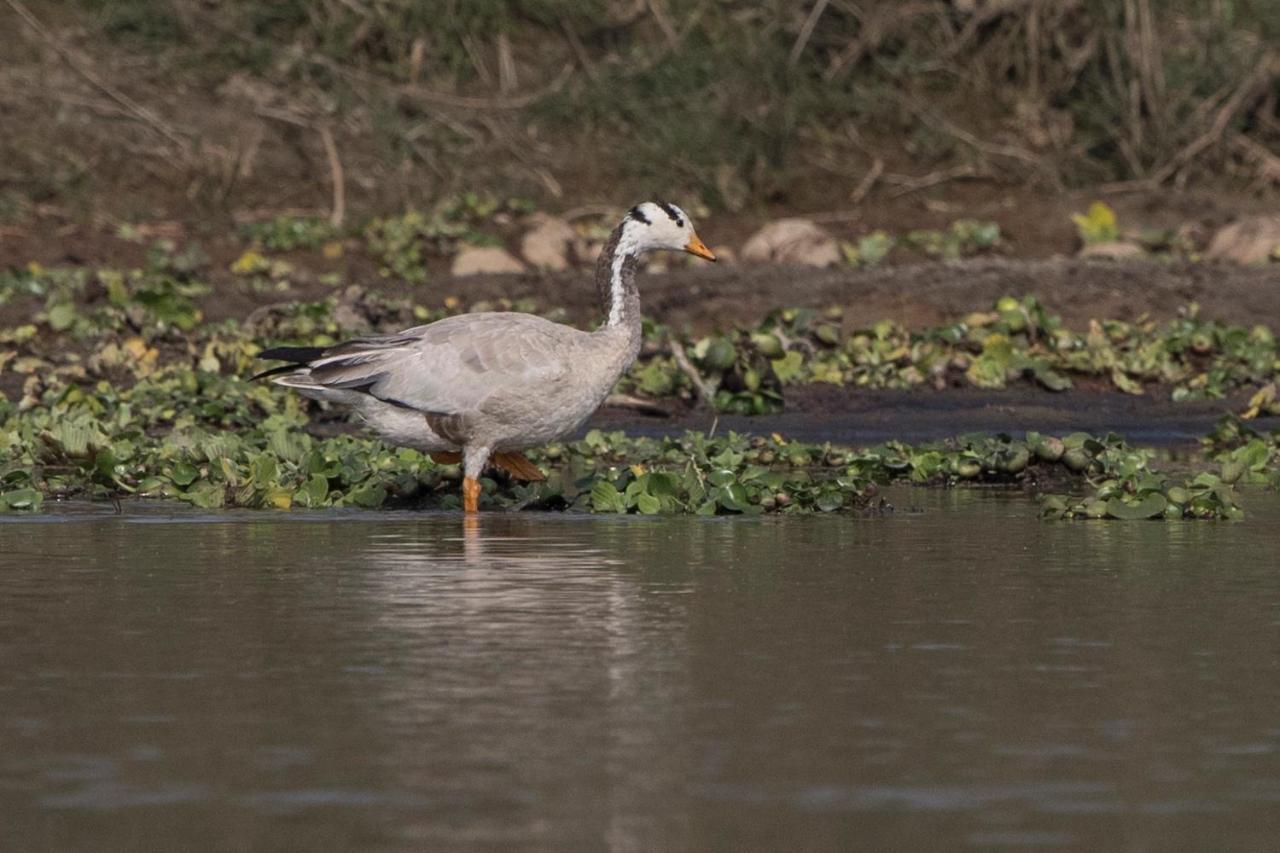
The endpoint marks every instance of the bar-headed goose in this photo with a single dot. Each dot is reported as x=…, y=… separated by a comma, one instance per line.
x=488, y=385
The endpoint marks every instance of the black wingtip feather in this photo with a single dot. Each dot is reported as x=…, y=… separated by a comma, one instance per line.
x=298, y=355
x=275, y=371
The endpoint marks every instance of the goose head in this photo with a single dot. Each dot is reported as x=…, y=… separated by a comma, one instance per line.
x=662, y=225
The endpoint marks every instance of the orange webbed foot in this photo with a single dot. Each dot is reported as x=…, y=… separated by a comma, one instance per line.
x=470, y=495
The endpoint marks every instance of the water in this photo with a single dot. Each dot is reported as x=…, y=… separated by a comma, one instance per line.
x=962, y=677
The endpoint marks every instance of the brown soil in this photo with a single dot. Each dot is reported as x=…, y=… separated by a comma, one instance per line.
x=706, y=297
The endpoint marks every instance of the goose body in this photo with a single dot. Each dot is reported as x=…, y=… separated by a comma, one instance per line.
x=495, y=382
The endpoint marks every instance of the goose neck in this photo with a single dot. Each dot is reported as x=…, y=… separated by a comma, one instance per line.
x=616, y=280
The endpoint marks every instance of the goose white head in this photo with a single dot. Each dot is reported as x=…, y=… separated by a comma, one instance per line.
x=661, y=225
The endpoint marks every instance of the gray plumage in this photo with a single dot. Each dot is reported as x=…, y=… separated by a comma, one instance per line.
x=488, y=382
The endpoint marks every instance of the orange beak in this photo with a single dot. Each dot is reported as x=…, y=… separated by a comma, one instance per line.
x=699, y=248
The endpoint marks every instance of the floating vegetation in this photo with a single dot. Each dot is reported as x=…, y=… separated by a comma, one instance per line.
x=1124, y=486
x=116, y=387
x=1018, y=341
x=1244, y=454
x=215, y=440
x=964, y=238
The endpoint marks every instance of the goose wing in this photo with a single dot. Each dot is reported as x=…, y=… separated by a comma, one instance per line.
x=460, y=365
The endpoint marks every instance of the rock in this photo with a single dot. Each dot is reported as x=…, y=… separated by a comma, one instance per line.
x=549, y=244
x=724, y=254
x=1114, y=250
x=793, y=241
x=484, y=260
x=1252, y=240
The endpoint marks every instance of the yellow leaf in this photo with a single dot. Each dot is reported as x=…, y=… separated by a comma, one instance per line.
x=1098, y=224
x=249, y=263
x=1262, y=399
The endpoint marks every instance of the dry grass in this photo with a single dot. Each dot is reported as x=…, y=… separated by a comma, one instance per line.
x=377, y=101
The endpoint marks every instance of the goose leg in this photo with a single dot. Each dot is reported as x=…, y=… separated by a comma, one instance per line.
x=470, y=495
x=474, y=460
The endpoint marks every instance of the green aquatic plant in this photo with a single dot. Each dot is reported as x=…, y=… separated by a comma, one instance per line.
x=1245, y=454
x=212, y=439
x=1018, y=341
x=288, y=233
x=402, y=243
x=1123, y=485
x=116, y=388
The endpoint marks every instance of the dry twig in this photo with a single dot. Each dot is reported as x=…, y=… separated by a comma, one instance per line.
x=806, y=32
x=337, y=176
x=664, y=23
x=908, y=184
x=705, y=393
x=638, y=404
x=868, y=182
x=1253, y=87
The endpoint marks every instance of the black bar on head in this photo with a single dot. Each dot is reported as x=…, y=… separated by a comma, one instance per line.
x=670, y=210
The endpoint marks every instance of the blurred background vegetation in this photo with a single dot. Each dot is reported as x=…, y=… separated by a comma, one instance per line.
x=145, y=108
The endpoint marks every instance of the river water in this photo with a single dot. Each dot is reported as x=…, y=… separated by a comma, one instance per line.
x=955, y=675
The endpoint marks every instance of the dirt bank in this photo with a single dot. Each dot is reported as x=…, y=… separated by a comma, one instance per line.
x=925, y=294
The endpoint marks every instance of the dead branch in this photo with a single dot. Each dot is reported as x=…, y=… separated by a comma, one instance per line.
x=705, y=393
x=507, y=77
x=868, y=182
x=137, y=110
x=337, y=177
x=1251, y=88
x=664, y=23
x=1266, y=165
x=408, y=90
x=806, y=32
x=638, y=404
x=444, y=99
x=873, y=29
x=995, y=149
x=908, y=184
x=579, y=50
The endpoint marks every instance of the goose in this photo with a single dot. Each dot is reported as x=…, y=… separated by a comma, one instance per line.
x=481, y=388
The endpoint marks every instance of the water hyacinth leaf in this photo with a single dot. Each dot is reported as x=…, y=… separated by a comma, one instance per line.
x=368, y=495
x=184, y=474
x=605, y=497
x=1150, y=506
x=313, y=493
x=648, y=504
x=61, y=316
x=205, y=495
x=733, y=497
x=21, y=499
x=829, y=501
x=788, y=367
